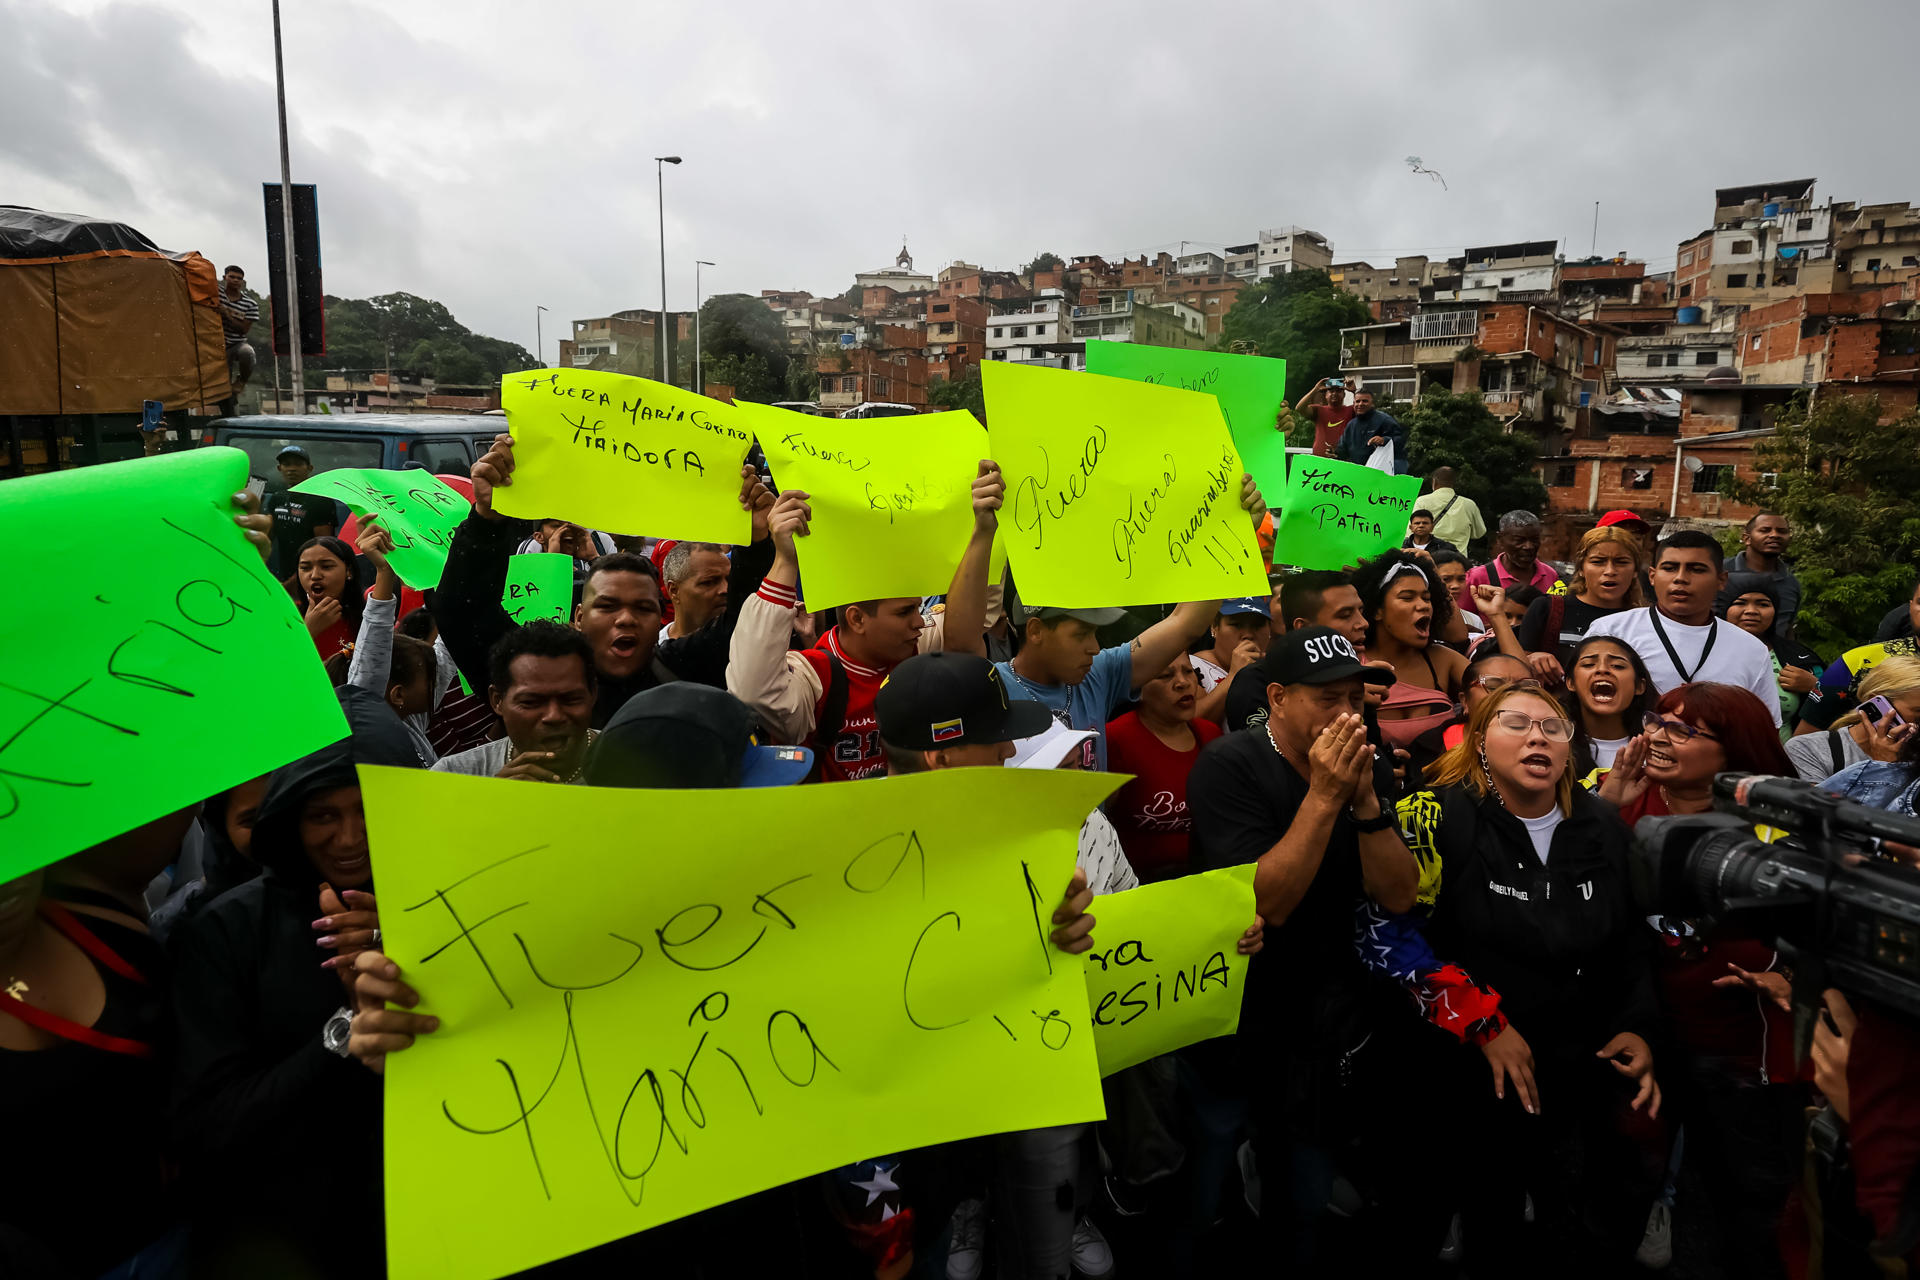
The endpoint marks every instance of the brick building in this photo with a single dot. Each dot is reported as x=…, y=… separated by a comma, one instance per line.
x=856, y=375
x=956, y=333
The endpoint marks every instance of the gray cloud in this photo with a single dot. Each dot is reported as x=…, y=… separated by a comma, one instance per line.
x=498, y=156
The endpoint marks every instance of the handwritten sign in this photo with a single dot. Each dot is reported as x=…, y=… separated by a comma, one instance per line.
x=1251, y=391
x=626, y=455
x=539, y=585
x=124, y=691
x=418, y=509
x=1118, y=492
x=628, y=1040
x=892, y=498
x=1334, y=514
x=1165, y=969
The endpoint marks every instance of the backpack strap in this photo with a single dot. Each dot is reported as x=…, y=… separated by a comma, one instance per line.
x=831, y=716
x=1556, y=614
x=1833, y=746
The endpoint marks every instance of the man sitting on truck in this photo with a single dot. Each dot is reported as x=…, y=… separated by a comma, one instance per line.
x=238, y=312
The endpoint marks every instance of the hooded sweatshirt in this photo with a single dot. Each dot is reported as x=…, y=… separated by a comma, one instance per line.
x=277, y=1132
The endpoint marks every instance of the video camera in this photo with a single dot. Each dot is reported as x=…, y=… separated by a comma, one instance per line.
x=1825, y=889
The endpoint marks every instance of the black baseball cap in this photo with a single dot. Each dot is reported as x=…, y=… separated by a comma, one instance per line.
x=1316, y=655
x=937, y=700
x=684, y=736
x=294, y=451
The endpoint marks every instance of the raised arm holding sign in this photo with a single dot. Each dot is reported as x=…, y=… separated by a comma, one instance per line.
x=1336, y=514
x=137, y=709
x=418, y=510
x=623, y=454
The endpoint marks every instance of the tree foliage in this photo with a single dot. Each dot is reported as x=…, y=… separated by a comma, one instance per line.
x=1041, y=262
x=1296, y=316
x=418, y=336
x=742, y=345
x=1849, y=484
x=960, y=393
x=1495, y=466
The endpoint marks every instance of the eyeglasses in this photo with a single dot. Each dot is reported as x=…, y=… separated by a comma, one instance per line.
x=1553, y=728
x=1679, y=730
x=1493, y=684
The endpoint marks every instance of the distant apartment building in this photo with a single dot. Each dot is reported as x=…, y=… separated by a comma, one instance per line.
x=625, y=342
x=1114, y=315
x=1200, y=264
x=1243, y=260
x=1037, y=332
x=1211, y=295
x=1875, y=244
x=1378, y=284
x=955, y=332
x=856, y=375
x=1279, y=252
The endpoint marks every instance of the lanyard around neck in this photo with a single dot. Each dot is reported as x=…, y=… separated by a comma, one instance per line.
x=1686, y=676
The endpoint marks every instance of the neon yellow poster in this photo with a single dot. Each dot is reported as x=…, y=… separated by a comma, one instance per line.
x=623, y=455
x=892, y=498
x=632, y=1032
x=1118, y=492
x=1165, y=970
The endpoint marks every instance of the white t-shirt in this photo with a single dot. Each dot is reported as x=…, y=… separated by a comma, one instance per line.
x=1737, y=657
x=1605, y=749
x=1540, y=831
x=1210, y=672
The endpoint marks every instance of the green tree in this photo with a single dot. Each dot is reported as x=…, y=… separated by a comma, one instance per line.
x=1296, y=316
x=960, y=393
x=742, y=338
x=418, y=336
x=803, y=380
x=1495, y=466
x=1850, y=485
x=1041, y=262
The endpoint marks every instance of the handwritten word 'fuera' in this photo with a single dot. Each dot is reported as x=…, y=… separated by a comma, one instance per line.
x=1189, y=983
x=1140, y=512
x=1033, y=505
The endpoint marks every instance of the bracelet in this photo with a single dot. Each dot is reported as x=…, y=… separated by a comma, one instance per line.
x=1379, y=822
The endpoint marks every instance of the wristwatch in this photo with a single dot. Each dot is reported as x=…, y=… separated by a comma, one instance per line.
x=333, y=1036
x=1379, y=822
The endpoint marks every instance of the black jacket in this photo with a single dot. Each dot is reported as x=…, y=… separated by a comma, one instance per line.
x=1564, y=944
x=278, y=1133
x=471, y=618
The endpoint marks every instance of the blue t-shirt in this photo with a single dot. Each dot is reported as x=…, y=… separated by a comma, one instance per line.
x=1088, y=705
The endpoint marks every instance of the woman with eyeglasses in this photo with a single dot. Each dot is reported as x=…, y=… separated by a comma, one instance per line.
x=1527, y=947
x=1607, y=693
x=1726, y=996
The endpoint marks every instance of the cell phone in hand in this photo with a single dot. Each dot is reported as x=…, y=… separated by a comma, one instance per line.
x=256, y=485
x=1880, y=711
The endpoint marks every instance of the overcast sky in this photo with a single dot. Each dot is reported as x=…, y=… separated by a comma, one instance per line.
x=499, y=155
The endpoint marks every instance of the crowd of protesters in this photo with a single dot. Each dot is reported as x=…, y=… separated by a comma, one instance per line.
x=1464, y=1043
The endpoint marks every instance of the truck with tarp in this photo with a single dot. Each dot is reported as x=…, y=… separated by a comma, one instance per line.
x=95, y=321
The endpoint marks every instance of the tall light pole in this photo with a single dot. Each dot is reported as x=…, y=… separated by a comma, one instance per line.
x=539, y=343
x=660, y=173
x=699, y=371
x=286, y=224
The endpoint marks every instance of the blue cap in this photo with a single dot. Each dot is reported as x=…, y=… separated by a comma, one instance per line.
x=1262, y=605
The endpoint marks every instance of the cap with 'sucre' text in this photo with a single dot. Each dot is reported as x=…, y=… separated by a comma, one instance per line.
x=1316, y=655
x=936, y=700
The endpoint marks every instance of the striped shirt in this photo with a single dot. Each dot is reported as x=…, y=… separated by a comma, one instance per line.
x=238, y=315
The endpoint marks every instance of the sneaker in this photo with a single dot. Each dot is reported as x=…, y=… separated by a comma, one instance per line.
x=1450, y=1247
x=1091, y=1256
x=1249, y=1177
x=1656, y=1247
x=967, y=1252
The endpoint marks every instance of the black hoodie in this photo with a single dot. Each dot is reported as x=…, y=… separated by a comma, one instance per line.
x=278, y=1133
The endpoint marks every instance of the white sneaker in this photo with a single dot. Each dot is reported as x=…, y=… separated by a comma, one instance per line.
x=1656, y=1247
x=1450, y=1247
x=967, y=1253
x=1091, y=1255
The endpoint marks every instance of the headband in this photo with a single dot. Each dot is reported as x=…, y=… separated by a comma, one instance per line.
x=1400, y=568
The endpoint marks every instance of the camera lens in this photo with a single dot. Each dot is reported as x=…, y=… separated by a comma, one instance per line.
x=1723, y=866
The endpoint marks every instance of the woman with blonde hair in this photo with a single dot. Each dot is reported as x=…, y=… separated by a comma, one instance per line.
x=1855, y=736
x=1607, y=569
x=1526, y=946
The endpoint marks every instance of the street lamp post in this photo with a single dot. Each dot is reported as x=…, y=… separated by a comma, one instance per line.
x=539, y=343
x=660, y=173
x=292, y=298
x=699, y=370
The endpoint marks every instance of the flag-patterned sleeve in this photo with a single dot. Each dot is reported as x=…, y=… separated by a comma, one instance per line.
x=1396, y=944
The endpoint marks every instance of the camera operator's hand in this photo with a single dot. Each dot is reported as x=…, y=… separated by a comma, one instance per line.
x=1629, y=1055
x=1830, y=1049
x=1627, y=780
x=1774, y=986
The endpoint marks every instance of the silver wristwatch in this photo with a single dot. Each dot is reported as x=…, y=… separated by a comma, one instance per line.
x=333, y=1036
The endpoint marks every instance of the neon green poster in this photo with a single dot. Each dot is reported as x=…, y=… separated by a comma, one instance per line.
x=1333, y=514
x=1251, y=390
x=130, y=694
x=628, y=1039
x=419, y=510
x=539, y=585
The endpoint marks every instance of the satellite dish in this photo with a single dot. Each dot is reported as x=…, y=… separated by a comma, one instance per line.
x=1693, y=464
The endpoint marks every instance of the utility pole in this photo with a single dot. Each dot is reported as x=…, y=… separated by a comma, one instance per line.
x=286, y=222
x=699, y=370
x=660, y=172
x=539, y=343
x=1594, y=248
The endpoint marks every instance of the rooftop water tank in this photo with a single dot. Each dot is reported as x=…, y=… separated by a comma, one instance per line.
x=1688, y=315
x=1770, y=210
